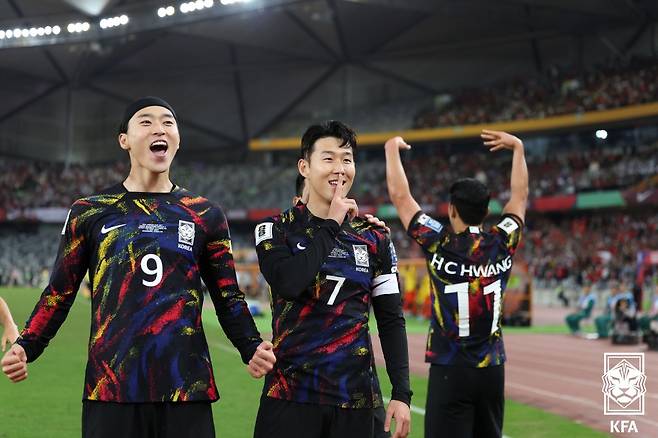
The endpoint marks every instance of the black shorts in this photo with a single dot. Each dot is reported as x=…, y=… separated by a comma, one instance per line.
x=147, y=420
x=379, y=420
x=465, y=402
x=285, y=419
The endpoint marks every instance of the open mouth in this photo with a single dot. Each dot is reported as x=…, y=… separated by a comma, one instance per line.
x=334, y=182
x=159, y=148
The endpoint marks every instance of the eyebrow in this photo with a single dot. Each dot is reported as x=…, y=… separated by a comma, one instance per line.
x=148, y=115
x=345, y=153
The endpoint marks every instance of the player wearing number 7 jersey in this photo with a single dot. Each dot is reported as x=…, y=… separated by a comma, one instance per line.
x=469, y=268
x=326, y=268
x=147, y=244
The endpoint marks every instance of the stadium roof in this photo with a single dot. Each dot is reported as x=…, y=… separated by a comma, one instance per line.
x=237, y=71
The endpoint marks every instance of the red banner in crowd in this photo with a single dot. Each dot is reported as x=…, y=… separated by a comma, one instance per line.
x=554, y=203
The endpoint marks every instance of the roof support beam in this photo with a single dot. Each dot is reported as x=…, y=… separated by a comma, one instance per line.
x=197, y=127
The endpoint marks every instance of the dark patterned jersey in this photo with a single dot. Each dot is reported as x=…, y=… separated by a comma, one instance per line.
x=146, y=254
x=469, y=273
x=321, y=338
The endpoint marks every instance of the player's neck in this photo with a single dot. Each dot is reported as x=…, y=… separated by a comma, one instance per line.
x=458, y=226
x=318, y=206
x=143, y=180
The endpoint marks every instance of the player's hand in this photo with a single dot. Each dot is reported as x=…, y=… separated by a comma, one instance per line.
x=376, y=221
x=497, y=140
x=400, y=412
x=14, y=364
x=340, y=205
x=396, y=143
x=262, y=361
x=9, y=336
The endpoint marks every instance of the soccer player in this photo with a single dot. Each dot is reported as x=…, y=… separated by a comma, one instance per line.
x=9, y=329
x=147, y=244
x=326, y=267
x=379, y=415
x=469, y=268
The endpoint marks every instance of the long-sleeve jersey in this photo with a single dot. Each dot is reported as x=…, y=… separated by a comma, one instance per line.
x=324, y=280
x=469, y=273
x=146, y=254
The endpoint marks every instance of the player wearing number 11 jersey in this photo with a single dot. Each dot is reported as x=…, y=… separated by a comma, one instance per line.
x=469, y=268
x=147, y=245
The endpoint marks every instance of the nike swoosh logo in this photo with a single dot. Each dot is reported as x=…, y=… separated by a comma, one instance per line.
x=300, y=247
x=107, y=230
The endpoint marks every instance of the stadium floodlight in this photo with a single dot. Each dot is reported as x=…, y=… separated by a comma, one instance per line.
x=208, y=3
x=171, y=10
x=114, y=21
x=41, y=31
x=33, y=31
x=601, y=134
x=9, y=34
x=56, y=30
x=25, y=33
x=48, y=30
x=2, y=34
x=162, y=12
x=76, y=27
x=184, y=8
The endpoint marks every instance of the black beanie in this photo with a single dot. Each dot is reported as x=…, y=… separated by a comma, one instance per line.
x=138, y=105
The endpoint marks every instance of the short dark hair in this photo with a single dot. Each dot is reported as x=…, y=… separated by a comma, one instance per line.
x=471, y=199
x=299, y=184
x=331, y=128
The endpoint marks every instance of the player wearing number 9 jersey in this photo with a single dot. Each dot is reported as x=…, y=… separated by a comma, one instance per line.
x=326, y=270
x=147, y=245
x=469, y=268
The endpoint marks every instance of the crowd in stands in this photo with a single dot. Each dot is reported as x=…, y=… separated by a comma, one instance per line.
x=431, y=170
x=588, y=248
x=557, y=93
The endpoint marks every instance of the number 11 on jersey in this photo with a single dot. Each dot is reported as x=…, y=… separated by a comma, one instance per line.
x=461, y=289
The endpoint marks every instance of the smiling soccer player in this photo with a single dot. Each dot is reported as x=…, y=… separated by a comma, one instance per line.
x=147, y=244
x=326, y=267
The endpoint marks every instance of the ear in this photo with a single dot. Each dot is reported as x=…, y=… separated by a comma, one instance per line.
x=302, y=166
x=123, y=141
x=452, y=211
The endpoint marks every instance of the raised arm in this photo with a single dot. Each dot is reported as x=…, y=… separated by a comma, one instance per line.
x=498, y=140
x=396, y=180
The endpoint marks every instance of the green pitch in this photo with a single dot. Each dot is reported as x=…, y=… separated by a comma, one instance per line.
x=48, y=404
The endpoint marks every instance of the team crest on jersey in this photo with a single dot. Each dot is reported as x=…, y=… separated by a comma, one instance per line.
x=424, y=219
x=361, y=255
x=186, y=232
